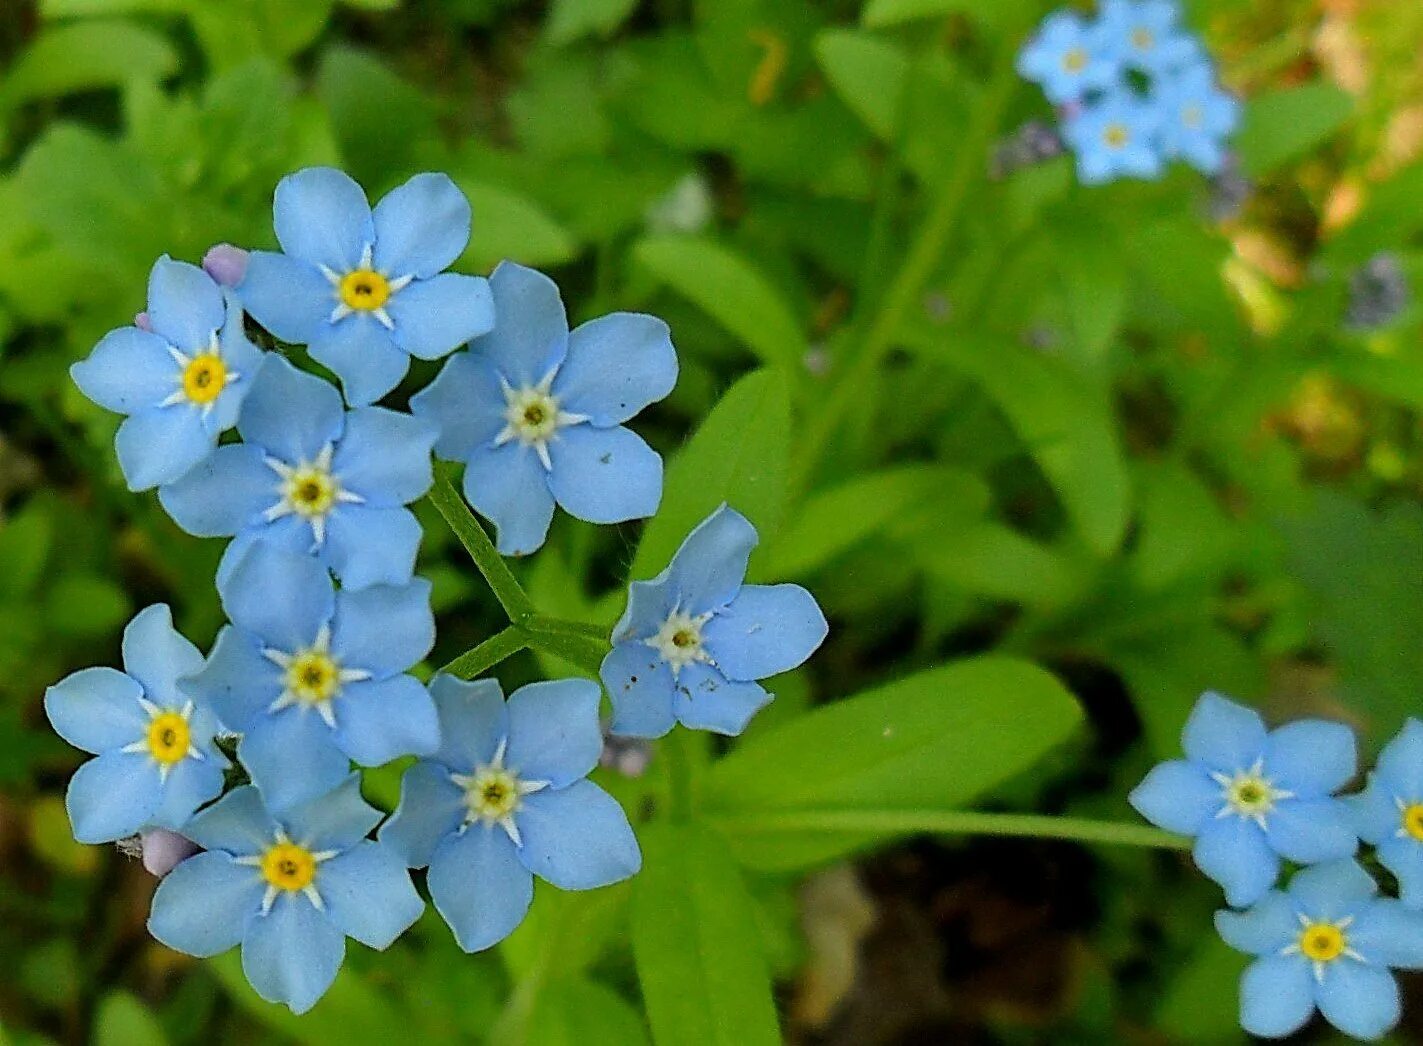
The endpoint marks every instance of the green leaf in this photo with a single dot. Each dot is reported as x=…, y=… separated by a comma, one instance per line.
x=350, y=1004
x=573, y=19
x=728, y=287
x=984, y=558
x=1200, y=1004
x=880, y=13
x=1284, y=125
x=372, y=5
x=89, y=8
x=363, y=96
x=121, y=1020
x=699, y=957
x=937, y=739
x=508, y=224
x=575, y=1011
x=868, y=73
x=85, y=605
x=83, y=56
x=739, y=456
x=1094, y=279
x=24, y=545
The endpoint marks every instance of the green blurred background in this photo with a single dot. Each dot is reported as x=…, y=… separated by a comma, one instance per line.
x=1125, y=432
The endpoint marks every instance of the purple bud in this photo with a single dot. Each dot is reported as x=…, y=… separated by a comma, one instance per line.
x=142, y=323
x=164, y=850
x=226, y=264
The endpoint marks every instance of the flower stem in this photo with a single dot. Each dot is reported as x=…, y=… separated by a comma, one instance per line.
x=678, y=758
x=486, y=655
x=506, y=587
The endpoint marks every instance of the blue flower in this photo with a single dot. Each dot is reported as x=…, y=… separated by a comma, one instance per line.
x=312, y=478
x=367, y=290
x=694, y=638
x=1328, y=942
x=1389, y=812
x=289, y=887
x=180, y=383
x=313, y=678
x=535, y=412
x=1196, y=118
x=1114, y=137
x=506, y=798
x=1145, y=35
x=1251, y=797
x=1065, y=58
x=156, y=761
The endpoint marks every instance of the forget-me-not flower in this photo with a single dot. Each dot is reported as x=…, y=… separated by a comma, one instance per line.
x=694, y=639
x=1066, y=60
x=289, y=887
x=181, y=379
x=506, y=798
x=313, y=678
x=1389, y=812
x=536, y=412
x=1115, y=136
x=1251, y=797
x=156, y=761
x=312, y=477
x=1144, y=34
x=1196, y=117
x=1328, y=942
x=366, y=290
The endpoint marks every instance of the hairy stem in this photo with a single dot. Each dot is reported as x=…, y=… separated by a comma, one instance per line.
x=486, y=655
x=501, y=580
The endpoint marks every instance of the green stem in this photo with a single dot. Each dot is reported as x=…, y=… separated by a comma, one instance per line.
x=557, y=626
x=481, y=659
x=506, y=587
x=579, y=650
x=679, y=774
x=954, y=822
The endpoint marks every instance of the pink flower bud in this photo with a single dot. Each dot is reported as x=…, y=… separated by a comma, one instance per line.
x=142, y=323
x=226, y=264
x=164, y=850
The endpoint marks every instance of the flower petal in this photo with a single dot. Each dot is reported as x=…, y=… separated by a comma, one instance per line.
x=1375, y=811
x=281, y=598
x=1311, y=757
x=421, y=227
x=384, y=719
x=191, y=783
x=616, y=366
x=291, y=414
x=1389, y=933
x=290, y=533
x=507, y=485
x=363, y=356
x=157, y=655
x=704, y=699
x=554, y=733
x=111, y=796
x=605, y=475
x=238, y=823
x=202, y=906
x=1360, y=1000
x=223, y=494
x=384, y=456
x=96, y=709
x=434, y=317
x=334, y=820
x=1223, y=735
x=372, y=546
x=292, y=954
x=384, y=629
x=639, y=684
x=322, y=216
x=530, y=335
x=479, y=886
x=578, y=838
x=1276, y=996
x=1308, y=831
x=292, y=757
x=161, y=445
x=1332, y=891
x=1233, y=852
x=1262, y=930
x=237, y=682
x=1404, y=858
x=473, y=720
x=1400, y=763
x=708, y=569
x=129, y=370
x=185, y=305
x=764, y=631
x=431, y=807
x=465, y=402
x=1177, y=796
x=288, y=296
x=369, y=895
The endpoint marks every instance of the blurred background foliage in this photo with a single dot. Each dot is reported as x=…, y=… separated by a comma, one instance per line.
x=1149, y=436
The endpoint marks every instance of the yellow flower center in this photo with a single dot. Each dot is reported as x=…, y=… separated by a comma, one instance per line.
x=1115, y=135
x=311, y=491
x=313, y=677
x=1413, y=821
x=492, y=794
x=204, y=378
x=1192, y=116
x=1142, y=39
x=364, y=289
x=1322, y=942
x=1074, y=60
x=287, y=866
x=169, y=738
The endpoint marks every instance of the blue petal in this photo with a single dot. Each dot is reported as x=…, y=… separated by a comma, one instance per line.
x=161, y=445
x=291, y=954
x=202, y=906
x=227, y=492
x=96, y=709
x=334, y=820
x=436, y=316
x=129, y=370
x=708, y=569
x=290, y=533
x=766, y=630
x=191, y=783
x=321, y=216
x=362, y=354
x=530, y=335
x=1262, y=930
x=605, y=475
x=1308, y=831
x=1332, y=891
x=288, y=296
x=649, y=603
x=237, y=682
x=185, y=305
x=616, y=366
x=1233, y=852
x=290, y=414
x=369, y=895
x=112, y=796
x=1400, y=763
x=639, y=684
x=473, y=720
x=1177, y=796
x=421, y=227
x=465, y=402
x=578, y=838
x=1358, y=999
x=1223, y=735
x=157, y=656
x=479, y=886
x=554, y=733
x=372, y=546
x=1276, y=997
x=383, y=629
x=292, y=757
x=508, y=486
x=282, y=599
x=431, y=807
x=384, y=719
x=238, y=823
x=704, y=699
x=1311, y=757
x=1389, y=933
x=1404, y=858
x=384, y=456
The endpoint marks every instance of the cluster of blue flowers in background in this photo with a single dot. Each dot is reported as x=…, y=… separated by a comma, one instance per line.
x=1134, y=90
x=1255, y=799
x=328, y=621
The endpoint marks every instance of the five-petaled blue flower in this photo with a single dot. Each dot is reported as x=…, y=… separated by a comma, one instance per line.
x=181, y=383
x=695, y=638
x=1066, y=60
x=506, y=798
x=1389, y=812
x=367, y=290
x=290, y=888
x=1196, y=118
x=536, y=413
x=1251, y=797
x=156, y=761
x=1327, y=942
x=1144, y=34
x=1113, y=137
x=312, y=477
x=313, y=678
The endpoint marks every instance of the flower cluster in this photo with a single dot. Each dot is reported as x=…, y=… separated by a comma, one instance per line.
x=238, y=766
x=1253, y=799
x=1133, y=88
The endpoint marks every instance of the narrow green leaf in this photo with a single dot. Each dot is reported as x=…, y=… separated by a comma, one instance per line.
x=507, y=224
x=573, y=19
x=879, y=13
x=868, y=73
x=1284, y=125
x=984, y=558
x=576, y=1011
x=121, y=1020
x=24, y=546
x=83, y=56
x=350, y=1003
